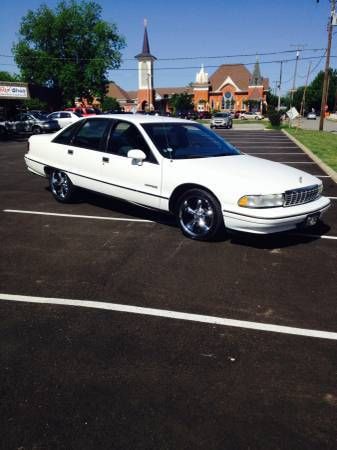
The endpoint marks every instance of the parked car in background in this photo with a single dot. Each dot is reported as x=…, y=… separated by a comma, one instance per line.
x=64, y=118
x=204, y=115
x=251, y=115
x=222, y=120
x=180, y=167
x=3, y=129
x=311, y=115
x=84, y=112
x=31, y=122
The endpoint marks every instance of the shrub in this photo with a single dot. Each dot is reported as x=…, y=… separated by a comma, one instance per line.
x=274, y=118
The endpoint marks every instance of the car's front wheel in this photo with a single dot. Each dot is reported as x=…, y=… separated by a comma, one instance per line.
x=37, y=130
x=61, y=186
x=199, y=215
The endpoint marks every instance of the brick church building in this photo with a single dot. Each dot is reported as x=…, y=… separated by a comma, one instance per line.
x=232, y=87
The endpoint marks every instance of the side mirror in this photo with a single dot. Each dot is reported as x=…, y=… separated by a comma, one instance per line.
x=137, y=156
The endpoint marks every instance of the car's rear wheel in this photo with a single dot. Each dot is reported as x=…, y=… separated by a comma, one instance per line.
x=61, y=186
x=199, y=215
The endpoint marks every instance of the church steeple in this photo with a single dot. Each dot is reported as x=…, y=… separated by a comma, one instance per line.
x=146, y=46
x=256, y=77
x=146, y=92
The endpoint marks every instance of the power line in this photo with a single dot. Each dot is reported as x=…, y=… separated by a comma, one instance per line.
x=212, y=66
x=183, y=58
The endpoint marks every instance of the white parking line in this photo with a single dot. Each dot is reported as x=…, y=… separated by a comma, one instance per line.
x=120, y=219
x=173, y=315
x=334, y=238
x=79, y=216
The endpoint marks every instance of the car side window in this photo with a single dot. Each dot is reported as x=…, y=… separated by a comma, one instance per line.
x=66, y=136
x=64, y=115
x=91, y=134
x=124, y=137
x=54, y=115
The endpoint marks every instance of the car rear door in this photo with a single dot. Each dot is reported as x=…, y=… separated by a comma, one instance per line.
x=80, y=153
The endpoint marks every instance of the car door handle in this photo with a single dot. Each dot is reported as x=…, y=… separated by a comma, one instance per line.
x=70, y=152
x=105, y=159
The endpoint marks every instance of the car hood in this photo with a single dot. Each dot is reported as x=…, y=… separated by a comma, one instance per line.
x=250, y=174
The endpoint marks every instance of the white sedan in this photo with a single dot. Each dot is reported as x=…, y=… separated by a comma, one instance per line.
x=177, y=166
x=64, y=118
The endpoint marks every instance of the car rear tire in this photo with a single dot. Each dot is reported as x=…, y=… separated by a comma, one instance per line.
x=61, y=186
x=199, y=215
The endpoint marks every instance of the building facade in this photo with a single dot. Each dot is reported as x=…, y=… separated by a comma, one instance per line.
x=232, y=87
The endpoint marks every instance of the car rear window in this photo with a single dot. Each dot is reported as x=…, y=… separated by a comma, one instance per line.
x=91, y=133
x=66, y=135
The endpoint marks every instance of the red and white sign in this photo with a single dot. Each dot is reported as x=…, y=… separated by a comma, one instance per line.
x=14, y=91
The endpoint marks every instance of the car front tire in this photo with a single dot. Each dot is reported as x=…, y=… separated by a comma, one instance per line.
x=37, y=130
x=199, y=215
x=61, y=186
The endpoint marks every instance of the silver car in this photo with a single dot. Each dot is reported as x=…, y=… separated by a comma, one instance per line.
x=222, y=120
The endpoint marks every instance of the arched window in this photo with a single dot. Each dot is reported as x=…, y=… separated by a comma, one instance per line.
x=227, y=100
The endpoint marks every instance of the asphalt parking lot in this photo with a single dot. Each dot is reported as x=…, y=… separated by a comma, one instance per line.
x=119, y=333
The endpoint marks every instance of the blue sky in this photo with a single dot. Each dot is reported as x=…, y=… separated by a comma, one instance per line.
x=200, y=29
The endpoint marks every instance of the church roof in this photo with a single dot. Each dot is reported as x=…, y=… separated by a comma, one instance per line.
x=117, y=92
x=238, y=73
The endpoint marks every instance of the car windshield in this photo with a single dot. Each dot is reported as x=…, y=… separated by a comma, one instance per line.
x=221, y=115
x=184, y=141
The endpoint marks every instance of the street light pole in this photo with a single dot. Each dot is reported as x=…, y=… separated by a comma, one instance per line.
x=327, y=66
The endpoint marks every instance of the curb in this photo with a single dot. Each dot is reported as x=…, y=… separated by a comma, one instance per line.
x=320, y=163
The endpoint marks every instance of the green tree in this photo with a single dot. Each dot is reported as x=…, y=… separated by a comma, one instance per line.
x=181, y=102
x=313, y=96
x=6, y=76
x=110, y=104
x=69, y=48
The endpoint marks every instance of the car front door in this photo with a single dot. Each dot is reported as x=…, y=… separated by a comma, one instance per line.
x=132, y=180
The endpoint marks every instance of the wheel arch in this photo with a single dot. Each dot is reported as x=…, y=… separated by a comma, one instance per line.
x=181, y=189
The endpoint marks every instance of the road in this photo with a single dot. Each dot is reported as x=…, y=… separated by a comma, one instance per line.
x=116, y=330
x=329, y=125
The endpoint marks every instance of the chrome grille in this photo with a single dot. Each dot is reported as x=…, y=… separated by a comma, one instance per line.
x=300, y=196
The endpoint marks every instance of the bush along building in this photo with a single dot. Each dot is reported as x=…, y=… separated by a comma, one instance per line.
x=232, y=87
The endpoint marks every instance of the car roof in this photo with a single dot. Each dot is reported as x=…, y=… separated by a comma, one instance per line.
x=142, y=118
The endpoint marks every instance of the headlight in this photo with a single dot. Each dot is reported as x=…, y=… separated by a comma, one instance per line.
x=261, y=201
x=320, y=189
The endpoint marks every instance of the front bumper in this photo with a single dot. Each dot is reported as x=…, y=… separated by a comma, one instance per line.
x=274, y=220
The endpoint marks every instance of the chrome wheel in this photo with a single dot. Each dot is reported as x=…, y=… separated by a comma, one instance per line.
x=199, y=215
x=61, y=186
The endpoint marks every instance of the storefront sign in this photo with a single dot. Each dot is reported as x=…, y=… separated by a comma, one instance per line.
x=13, y=92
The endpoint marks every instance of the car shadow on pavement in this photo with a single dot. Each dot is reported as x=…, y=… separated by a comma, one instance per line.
x=14, y=137
x=259, y=241
x=129, y=209
x=279, y=240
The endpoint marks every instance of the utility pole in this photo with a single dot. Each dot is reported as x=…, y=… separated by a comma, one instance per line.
x=327, y=65
x=279, y=87
x=305, y=91
x=298, y=47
